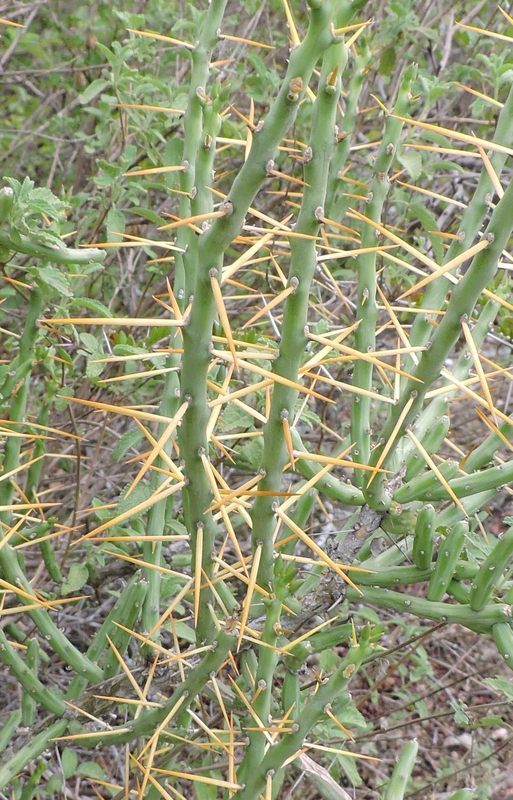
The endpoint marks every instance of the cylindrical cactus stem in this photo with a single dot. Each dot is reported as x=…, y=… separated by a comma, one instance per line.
x=424, y=537
x=15, y=763
x=185, y=265
x=470, y=505
x=9, y=564
x=16, y=634
x=398, y=782
x=203, y=200
x=448, y=555
x=491, y=478
x=464, y=297
x=328, y=485
x=295, y=312
x=19, y=399
x=367, y=310
x=438, y=406
x=51, y=700
x=390, y=557
x=125, y=610
x=152, y=551
x=8, y=729
x=267, y=661
x=28, y=702
x=431, y=443
x=396, y=576
x=290, y=695
x=459, y=591
x=471, y=223
x=484, y=452
x=187, y=239
x=503, y=637
x=312, y=713
x=53, y=255
x=491, y=571
x=146, y=723
x=334, y=636
x=424, y=485
x=33, y=476
x=443, y=612
x=53, y=635
x=197, y=334
x=335, y=200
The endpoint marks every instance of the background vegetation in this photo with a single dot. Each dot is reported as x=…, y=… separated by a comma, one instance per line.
x=100, y=529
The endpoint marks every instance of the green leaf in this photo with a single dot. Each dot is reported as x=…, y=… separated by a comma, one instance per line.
x=93, y=90
x=69, y=761
x=250, y=454
x=53, y=279
x=234, y=417
x=129, y=439
x=429, y=224
x=205, y=792
x=349, y=767
x=54, y=785
x=91, y=770
x=387, y=61
x=115, y=225
x=89, y=341
x=184, y=631
x=461, y=717
x=77, y=576
x=93, y=368
x=141, y=492
x=411, y=160
x=99, y=309
x=502, y=686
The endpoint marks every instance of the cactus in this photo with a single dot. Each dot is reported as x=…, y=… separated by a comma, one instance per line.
x=254, y=580
x=448, y=555
x=276, y=756
x=423, y=541
x=398, y=782
x=491, y=571
x=25, y=674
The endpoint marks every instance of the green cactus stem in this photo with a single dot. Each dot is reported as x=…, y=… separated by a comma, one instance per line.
x=423, y=539
x=125, y=610
x=30, y=751
x=9, y=564
x=193, y=193
x=367, y=310
x=448, y=554
x=26, y=675
x=484, y=452
x=328, y=485
x=491, y=478
x=8, y=728
x=53, y=255
x=464, y=297
x=398, y=782
x=146, y=723
x=492, y=570
x=295, y=312
x=310, y=715
x=503, y=637
x=489, y=616
x=28, y=702
x=198, y=332
x=470, y=225
x=423, y=485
